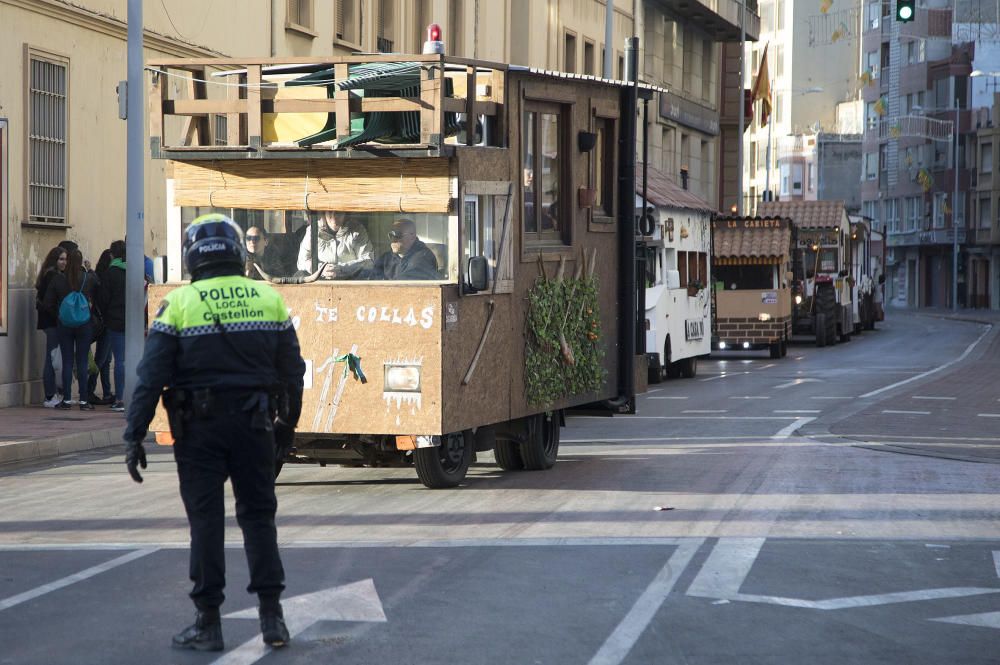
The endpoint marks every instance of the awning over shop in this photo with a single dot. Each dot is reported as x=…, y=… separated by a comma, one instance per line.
x=664, y=193
x=750, y=240
x=807, y=214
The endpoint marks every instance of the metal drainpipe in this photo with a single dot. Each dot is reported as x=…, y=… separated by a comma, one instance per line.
x=626, y=234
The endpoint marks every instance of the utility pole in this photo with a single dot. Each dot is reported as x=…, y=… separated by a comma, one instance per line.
x=742, y=100
x=135, y=296
x=609, y=24
x=954, y=222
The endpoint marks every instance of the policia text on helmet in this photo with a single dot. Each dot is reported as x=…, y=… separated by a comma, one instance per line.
x=224, y=348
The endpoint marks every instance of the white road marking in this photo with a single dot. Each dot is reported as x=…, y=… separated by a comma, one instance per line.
x=627, y=633
x=937, y=369
x=910, y=413
x=669, y=397
x=983, y=620
x=724, y=375
x=705, y=411
x=786, y=432
x=749, y=397
x=996, y=561
x=796, y=382
x=988, y=415
x=823, y=397
x=698, y=417
x=797, y=411
x=932, y=397
x=600, y=439
x=405, y=542
x=727, y=565
x=76, y=577
x=352, y=602
x=730, y=562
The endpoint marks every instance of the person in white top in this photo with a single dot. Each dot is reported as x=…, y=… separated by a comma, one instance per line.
x=343, y=247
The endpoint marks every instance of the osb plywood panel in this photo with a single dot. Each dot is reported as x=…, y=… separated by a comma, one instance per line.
x=353, y=185
x=485, y=400
x=381, y=323
x=605, y=244
x=491, y=164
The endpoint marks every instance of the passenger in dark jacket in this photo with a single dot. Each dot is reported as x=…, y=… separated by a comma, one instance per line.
x=408, y=257
x=112, y=304
x=73, y=342
x=54, y=263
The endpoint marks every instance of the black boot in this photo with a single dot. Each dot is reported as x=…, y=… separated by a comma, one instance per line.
x=272, y=625
x=205, y=634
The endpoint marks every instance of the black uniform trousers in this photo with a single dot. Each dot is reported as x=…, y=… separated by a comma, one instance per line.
x=211, y=449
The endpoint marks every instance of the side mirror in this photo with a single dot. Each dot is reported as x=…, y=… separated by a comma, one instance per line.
x=476, y=275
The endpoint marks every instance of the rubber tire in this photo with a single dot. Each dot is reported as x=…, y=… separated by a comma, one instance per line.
x=689, y=367
x=775, y=350
x=445, y=466
x=508, y=455
x=784, y=348
x=671, y=370
x=541, y=442
x=819, y=324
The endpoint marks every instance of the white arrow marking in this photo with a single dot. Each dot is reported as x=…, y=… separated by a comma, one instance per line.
x=984, y=620
x=352, y=602
x=786, y=432
x=730, y=561
x=996, y=561
x=796, y=382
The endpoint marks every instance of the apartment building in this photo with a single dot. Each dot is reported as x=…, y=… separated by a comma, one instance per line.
x=915, y=78
x=984, y=232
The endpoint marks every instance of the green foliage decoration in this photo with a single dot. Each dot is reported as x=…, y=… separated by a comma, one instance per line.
x=563, y=311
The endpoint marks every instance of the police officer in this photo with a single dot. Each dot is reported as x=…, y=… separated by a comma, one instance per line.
x=225, y=349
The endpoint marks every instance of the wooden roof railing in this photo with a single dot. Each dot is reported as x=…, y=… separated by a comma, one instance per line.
x=476, y=88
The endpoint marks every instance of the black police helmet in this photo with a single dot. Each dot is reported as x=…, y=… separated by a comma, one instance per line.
x=213, y=241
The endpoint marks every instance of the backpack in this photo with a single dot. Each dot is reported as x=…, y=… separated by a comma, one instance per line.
x=74, y=310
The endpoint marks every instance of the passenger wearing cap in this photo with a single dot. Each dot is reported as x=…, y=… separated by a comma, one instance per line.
x=226, y=349
x=408, y=258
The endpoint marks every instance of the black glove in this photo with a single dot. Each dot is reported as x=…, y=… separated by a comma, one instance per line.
x=135, y=456
x=284, y=439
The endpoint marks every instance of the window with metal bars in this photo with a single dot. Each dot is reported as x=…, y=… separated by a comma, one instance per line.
x=47, y=140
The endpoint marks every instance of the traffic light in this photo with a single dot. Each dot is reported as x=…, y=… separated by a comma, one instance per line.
x=904, y=10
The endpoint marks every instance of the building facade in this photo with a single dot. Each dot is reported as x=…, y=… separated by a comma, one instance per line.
x=984, y=227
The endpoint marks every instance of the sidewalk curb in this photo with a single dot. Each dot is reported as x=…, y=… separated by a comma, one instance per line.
x=19, y=451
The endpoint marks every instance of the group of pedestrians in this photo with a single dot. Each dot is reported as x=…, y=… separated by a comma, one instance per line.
x=79, y=308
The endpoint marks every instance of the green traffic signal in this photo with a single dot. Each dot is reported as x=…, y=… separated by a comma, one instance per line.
x=904, y=10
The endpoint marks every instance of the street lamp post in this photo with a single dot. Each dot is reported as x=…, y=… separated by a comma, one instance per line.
x=954, y=221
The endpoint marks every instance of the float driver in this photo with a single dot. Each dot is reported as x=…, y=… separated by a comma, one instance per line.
x=227, y=353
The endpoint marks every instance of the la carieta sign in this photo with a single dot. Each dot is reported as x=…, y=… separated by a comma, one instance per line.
x=751, y=223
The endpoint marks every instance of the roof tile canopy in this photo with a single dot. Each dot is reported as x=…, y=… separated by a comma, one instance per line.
x=806, y=214
x=664, y=193
x=751, y=238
